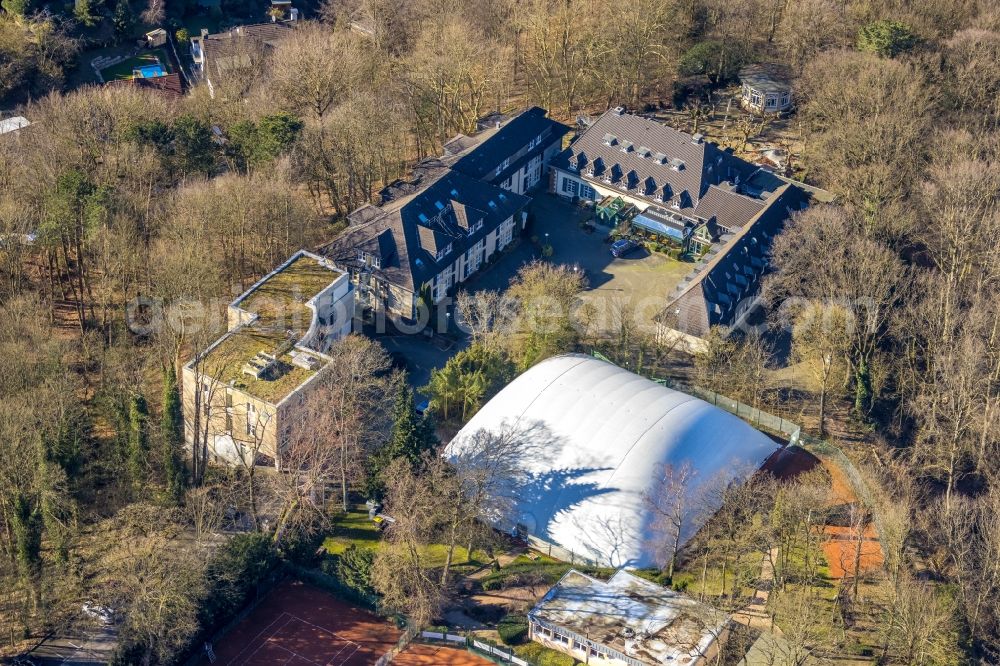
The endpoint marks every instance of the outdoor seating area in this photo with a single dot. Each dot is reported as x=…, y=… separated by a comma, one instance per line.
x=612, y=211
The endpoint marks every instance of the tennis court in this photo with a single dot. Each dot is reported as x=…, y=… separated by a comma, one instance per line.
x=300, y=625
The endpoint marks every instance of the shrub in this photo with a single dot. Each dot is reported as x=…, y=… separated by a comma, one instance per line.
x=553, y=658
x=487, y=614
x=538, y=654
x=886, y=38
x=513, y=628
x=233, y=574
x=354, y=568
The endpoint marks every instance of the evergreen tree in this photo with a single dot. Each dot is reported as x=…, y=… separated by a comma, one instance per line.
x=411, y=436
x=192, y=145
x=138, y=440
x=123, y=18
x=27, y=527
x=172, y=435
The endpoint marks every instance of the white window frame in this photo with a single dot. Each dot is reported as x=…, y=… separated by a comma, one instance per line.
x=251, y=420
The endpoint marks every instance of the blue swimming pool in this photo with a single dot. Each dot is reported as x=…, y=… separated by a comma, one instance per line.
x=149, y=71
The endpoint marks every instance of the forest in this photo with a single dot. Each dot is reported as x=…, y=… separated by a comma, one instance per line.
x=120, y=206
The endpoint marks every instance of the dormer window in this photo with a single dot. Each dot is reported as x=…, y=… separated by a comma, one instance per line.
x=610, y=140
x=626, y=147
x=503, y=165
x=441, y=254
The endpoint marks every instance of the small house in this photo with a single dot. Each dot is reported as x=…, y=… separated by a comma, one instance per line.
x=626, y=620
x=766, y=88
x=156, y=38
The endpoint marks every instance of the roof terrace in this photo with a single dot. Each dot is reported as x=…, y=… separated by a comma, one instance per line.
x=272, y=321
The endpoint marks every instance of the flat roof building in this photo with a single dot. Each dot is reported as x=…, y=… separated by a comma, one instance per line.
x=626, y=620
x=242, y=393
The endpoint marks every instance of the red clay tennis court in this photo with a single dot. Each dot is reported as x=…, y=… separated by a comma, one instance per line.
x=432, y=655
x=300, y=625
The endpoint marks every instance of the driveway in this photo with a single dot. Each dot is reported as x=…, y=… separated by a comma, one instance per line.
x=640, y=282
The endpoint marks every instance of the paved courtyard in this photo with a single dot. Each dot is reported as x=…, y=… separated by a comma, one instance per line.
x=640, y=281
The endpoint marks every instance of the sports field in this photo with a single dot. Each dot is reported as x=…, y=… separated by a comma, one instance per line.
x=431, y=655
x=299, y=625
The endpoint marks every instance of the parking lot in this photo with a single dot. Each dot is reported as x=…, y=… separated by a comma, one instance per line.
x=639, y=281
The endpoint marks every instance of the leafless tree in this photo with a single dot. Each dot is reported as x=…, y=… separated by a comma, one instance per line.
x=487, y=314
x=359, y=389
x=671, y=508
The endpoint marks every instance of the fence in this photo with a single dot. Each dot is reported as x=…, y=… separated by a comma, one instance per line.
x=401, y=645
x=760, y=419
x=558, y=552
x=504, y=655
x=205, y=641
x=753, y=415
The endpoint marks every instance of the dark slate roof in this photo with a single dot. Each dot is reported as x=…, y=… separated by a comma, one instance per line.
x=411, y=229
x=510, y=142
x=220, y=48
x=727, y=208
x=649, y=160
x=766, y=77
x=169, y=85
x=732, y=271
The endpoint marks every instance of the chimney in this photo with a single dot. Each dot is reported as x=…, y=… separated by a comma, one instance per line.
x=498, y=124
x=619, y=110
x=293, y=14
x=204, y=33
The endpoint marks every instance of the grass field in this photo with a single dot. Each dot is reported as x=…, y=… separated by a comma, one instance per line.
x=356, y=528
x=123, y=70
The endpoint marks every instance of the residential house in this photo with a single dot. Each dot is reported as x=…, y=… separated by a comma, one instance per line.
x=694, y=193
x=515, y=155
x=432, y=232
x=226, y=54
x=168, y=85
x=626, y=621
x=243, y=395
x=765, y=88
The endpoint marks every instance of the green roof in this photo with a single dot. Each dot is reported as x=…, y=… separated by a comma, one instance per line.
x=279, y=302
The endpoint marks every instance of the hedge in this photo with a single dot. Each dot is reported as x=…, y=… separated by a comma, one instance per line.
x=513, y=628
x=538, y=654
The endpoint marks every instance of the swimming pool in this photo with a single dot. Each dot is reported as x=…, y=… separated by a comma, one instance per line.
x=149, y=71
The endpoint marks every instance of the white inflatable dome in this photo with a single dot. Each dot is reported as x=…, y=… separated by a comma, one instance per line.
x=595, y=441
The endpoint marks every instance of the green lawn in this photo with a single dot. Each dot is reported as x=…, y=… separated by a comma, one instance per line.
x=356, y=528
x=123, y=70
